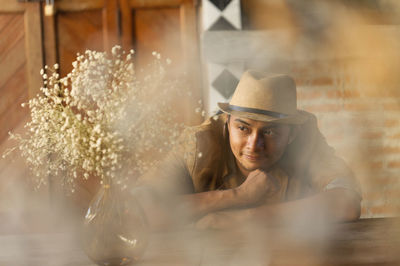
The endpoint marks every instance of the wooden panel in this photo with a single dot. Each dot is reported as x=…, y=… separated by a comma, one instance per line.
x=188, y=20
x=78, y=26
x=155, y=3
x=11, y=6
x=21, y=58
x=50, y=40
x=33, y=46
x=157, y=30
x=79, y=5
x=168, y=27
x=13, y=78
x=28, y=25
x=111, y=24
x=19, y=68
x=77, y=32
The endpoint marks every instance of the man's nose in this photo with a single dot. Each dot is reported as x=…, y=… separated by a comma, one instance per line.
x=256, y=142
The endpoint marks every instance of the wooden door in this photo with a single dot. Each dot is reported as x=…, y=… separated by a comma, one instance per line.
x=165, y=26
x=168, y=27
x=78, y=25
x=20, y=60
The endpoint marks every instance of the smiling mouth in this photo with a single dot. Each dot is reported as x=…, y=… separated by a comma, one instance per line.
x=253, y=158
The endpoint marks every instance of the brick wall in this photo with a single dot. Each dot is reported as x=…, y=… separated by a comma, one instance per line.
x=364, y=128
x=345, y=58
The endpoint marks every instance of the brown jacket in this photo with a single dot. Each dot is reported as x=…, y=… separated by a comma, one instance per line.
x=203, y=161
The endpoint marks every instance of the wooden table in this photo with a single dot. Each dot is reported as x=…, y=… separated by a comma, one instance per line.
x=365, y=242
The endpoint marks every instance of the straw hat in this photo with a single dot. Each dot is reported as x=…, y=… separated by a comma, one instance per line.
x=262, y=97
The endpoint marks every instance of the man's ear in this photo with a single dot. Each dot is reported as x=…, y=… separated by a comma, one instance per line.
x=293, y=133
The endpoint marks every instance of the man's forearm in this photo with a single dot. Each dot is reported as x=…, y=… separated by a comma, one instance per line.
x=165, y=210
x=196, y=205
x=336, y=205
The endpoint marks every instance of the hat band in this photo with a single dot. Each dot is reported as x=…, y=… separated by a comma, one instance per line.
x=256, y=111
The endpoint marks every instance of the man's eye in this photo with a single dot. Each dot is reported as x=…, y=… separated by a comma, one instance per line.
x=242, y=128
x=269, y=132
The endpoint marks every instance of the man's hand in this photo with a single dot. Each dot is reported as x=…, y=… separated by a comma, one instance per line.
x=257, y=185
x=224, y=220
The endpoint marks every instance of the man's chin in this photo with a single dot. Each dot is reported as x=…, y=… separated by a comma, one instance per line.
x=252, y=167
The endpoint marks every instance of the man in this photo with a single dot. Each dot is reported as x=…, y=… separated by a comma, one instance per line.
x=261, y=160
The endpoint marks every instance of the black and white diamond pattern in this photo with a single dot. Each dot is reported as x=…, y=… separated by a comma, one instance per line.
x=223, y=80
x=221, y=4
x=221, y=15
x=225, y=83
x=222, y=24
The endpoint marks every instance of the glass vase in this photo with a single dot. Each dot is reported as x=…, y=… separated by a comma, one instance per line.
x=115, y=230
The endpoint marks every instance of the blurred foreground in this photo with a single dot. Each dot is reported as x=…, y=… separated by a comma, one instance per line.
x=365, y=242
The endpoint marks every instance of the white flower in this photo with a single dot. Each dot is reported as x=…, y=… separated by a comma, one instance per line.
x=115, y=49
x=96, y=129
x=100, y=124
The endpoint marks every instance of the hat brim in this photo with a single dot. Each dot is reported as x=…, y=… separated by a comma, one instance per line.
x=297, y=118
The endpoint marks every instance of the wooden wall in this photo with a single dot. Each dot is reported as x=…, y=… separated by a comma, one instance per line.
x=31, y=38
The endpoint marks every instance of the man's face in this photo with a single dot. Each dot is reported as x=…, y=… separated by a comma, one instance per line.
x=256, y=144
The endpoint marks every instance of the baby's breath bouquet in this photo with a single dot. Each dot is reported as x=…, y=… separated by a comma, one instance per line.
x=100, y=120
x=104, y=119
